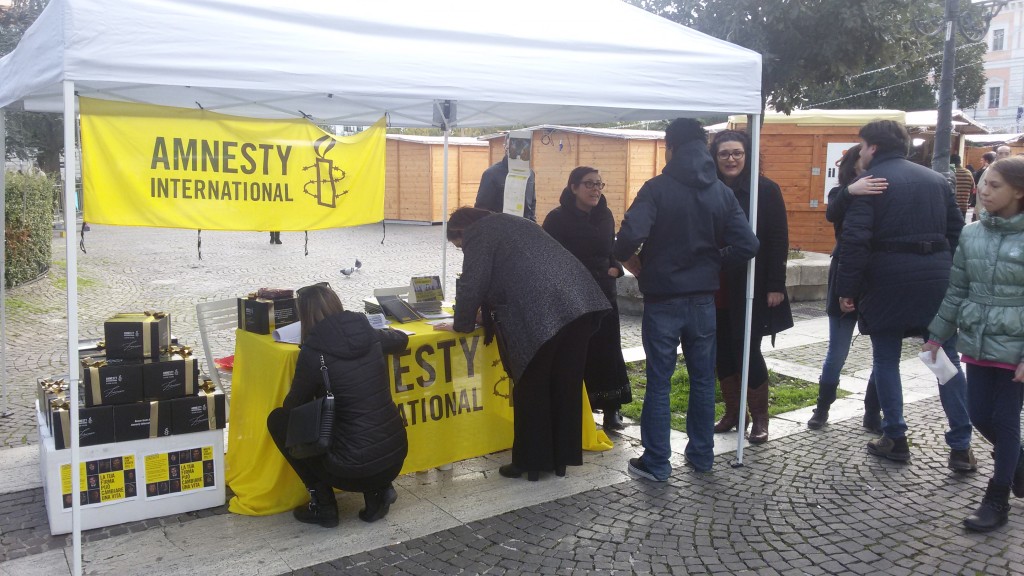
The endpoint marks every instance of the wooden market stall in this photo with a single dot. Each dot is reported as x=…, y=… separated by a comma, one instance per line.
x=414, y=184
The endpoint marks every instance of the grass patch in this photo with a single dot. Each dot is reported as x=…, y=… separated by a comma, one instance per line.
x=785, y=395
x=795, y=254
x=59, y=280
x=17, y=305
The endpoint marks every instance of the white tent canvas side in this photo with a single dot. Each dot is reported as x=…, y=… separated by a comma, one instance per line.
x=539, y=61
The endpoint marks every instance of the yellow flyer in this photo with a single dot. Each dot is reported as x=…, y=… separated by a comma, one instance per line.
x=179, y=472
x=103, y=481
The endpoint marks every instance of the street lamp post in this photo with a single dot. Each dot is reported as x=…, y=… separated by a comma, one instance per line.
x=972, y=23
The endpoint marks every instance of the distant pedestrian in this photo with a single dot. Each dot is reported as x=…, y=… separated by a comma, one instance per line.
x=964, y=184
x=491, y=194
x=691, y=227
x=275, y=237
x=985, y=302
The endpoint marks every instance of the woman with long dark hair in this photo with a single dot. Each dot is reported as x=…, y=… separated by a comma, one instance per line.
x=771, y=313
x=585, y=225
x=370, y=443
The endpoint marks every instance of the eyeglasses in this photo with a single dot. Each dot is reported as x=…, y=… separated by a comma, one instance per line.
x=726, y=154
x=590, y=185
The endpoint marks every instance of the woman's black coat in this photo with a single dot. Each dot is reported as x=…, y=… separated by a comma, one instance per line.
x=770, y=266
x=369, y=435
x=588, y=235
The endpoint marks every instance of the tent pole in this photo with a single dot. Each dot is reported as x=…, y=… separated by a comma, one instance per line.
x=4, y=412
x=444, y=218
x=70, y=165
x=754, y=122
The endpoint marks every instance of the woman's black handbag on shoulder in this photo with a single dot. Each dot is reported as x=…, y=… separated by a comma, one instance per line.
x=311, y=425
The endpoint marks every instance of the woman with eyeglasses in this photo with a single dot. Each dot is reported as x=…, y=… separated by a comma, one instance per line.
x=584, y=224
x=543, y=306
x=370, y=442
x=771, y=312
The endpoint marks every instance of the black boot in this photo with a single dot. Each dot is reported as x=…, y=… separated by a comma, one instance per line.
x=612, y=421
x=994, y=509
x=758, y=398
x=826, y=396
x=378, y=503
x=322, y=508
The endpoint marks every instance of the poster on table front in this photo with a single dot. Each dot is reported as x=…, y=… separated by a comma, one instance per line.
x=101, y=482
x=833, y=156
x=179, y=472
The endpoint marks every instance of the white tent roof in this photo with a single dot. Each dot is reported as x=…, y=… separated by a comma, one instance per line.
x=530, y=62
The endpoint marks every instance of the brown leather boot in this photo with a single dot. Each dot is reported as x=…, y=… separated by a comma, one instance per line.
x=730, y=386
x=758, y=400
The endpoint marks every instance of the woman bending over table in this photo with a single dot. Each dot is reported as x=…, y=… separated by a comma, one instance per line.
x=543, y=305
x=370, y=443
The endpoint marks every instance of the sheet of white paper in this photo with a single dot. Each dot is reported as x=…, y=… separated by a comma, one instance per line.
x=378, y=321
x=942, y=366
x=289, y=334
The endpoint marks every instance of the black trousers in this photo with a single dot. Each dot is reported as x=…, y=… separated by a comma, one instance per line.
x=314, y=472
x=548, y=400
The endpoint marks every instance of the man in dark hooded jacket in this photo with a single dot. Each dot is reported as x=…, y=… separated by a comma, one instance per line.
x=690, y=226
x=491, y=194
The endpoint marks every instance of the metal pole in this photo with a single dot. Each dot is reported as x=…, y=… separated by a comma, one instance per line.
x=72, y=293
x=944, y=120
x=4, y=413
x=444, y=218
x=754, y=121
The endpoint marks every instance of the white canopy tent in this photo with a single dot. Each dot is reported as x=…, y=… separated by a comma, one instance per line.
x=460, y=63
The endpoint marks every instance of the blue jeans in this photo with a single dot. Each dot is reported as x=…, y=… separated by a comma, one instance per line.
x=995, y=402
x=689, y=320
x=885, y=366
x=953, y=395
x=840, y=335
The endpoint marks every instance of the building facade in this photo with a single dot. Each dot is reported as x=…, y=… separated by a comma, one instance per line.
x=1002, y=104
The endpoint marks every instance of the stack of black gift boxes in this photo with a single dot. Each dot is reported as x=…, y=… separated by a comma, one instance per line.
x=138, y=385
x=266, y=310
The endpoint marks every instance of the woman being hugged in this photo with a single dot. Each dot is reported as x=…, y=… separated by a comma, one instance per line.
x=369, y=442
x=771, y=313
x=985, y=302
x=841, y=324
x=584, y=224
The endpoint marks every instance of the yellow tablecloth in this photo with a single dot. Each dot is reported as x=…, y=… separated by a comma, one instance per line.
x=450, y=388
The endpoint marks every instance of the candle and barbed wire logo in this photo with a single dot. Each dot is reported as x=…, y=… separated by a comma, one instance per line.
x=327, y=175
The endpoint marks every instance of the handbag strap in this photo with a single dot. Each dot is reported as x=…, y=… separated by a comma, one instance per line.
x=327, y=378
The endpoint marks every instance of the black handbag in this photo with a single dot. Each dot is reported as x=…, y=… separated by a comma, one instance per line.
x=311, y=425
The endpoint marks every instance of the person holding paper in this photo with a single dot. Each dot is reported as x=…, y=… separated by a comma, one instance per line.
x=543, y=306
x=985, y=302
x=584, y=224
x=491, y=194
x=370, y=443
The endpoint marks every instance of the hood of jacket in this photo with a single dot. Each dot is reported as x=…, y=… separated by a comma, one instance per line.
x=344, y=335
x=692, y=166
x=568, y=201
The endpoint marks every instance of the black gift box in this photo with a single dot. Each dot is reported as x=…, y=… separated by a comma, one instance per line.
x=112, y=383
x=137, y=335
x=142, y=420
x=197, y=413
x=95, y=426
x=264, y=316
x=48, y=390
x=170, y=377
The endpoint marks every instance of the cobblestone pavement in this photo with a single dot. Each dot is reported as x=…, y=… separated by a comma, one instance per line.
x=808, y=503
x=812, y=503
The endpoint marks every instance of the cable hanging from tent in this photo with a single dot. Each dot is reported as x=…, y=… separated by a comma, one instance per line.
x=878, y=89
x=200, y=105
x=305, y=244
x=199, y=243
x=81, y=242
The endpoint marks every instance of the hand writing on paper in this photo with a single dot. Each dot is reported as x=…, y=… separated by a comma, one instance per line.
x=444, y=327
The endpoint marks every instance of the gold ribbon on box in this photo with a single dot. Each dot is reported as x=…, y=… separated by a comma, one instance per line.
x=65, y=425
x=88, y=362
x=207, y=386
x=175, y=349
x=211, y=408
x=154, y=419
x=146, y=316
x=97, y=391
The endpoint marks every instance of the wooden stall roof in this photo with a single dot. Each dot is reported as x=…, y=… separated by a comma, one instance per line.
x=452, y=140
x=622, y=133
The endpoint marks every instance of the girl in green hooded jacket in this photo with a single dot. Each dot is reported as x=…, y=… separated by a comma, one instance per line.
x=985, y=301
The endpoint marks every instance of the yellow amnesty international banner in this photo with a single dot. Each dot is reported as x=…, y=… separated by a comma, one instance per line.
x=180, y=168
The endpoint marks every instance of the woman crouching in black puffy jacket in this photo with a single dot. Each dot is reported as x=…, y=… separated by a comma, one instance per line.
x=370, y=442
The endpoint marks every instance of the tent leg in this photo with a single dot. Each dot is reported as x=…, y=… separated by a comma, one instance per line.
x=755, y=144
x=444, y=220
x=70, y=168
x=4, y=403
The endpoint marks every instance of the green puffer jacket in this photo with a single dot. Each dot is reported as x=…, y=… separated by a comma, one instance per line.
x=985, y=298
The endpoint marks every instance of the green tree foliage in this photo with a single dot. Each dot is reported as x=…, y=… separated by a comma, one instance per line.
x=809, y=44
x=29, y=225
x=30, y=135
